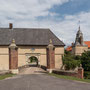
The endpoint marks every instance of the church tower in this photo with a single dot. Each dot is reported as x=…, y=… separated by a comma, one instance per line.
x=79, y=46
x=79, y=38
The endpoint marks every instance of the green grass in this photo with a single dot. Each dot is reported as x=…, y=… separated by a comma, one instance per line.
x=70, y=78
x=5, y=76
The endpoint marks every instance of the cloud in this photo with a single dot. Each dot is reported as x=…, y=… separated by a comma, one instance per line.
x=65, y=29
x=25, y=13
x=20, y=9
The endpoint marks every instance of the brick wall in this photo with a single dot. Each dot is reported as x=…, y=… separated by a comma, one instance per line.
x=78, y=74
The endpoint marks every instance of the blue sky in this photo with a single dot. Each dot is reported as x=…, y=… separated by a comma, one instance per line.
x=61, y=16
x=72, y=7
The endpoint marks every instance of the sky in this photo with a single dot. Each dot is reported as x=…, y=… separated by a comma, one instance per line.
x=61, y=16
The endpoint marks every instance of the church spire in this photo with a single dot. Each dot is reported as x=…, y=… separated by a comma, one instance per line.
x=79, y=24
x=79, y=37
x=79, y=30
x=79, y=27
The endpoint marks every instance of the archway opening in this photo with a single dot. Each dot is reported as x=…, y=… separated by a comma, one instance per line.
x=33, y=61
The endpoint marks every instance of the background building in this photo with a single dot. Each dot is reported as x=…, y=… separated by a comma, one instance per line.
x=80, y=45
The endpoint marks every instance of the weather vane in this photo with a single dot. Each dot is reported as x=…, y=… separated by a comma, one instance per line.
x=79, y=22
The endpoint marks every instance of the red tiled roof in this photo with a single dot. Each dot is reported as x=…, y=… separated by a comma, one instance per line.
x=87, y=43
x=69, y=48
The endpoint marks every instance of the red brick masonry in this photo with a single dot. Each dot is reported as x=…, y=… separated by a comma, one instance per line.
x=50, y=59
x=79, y=74
x=13, y=58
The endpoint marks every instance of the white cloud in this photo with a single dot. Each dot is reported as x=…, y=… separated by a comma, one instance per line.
x=20, y=9
x=65, y=29
x=24, y=13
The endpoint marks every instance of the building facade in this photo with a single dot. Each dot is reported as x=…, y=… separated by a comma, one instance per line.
x=17, y=45
x=80, y=45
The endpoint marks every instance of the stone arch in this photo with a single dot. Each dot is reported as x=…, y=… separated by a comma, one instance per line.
x=28, y=56
x=35, y=55
x=33, y=61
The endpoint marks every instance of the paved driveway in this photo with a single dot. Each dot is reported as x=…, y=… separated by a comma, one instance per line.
x=41, y=82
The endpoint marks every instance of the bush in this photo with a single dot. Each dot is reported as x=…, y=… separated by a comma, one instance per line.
x=85, y=60
x=70, y=65
x=71, y=61
x=87, y=75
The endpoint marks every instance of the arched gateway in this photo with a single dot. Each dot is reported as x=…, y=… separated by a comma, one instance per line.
x=13, y=57
x=33, y=61
x=17, y=45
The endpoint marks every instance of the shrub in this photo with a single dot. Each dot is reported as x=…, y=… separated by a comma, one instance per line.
x=85, y=60
x=71, y=61
x=87, y=74
x=71, y=64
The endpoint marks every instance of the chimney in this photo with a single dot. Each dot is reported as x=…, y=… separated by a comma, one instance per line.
x=10, y=26
x=72, y=44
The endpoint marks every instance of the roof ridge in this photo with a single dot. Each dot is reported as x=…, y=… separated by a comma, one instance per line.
x=26, y=28
x=86, y=41
x=4, y=28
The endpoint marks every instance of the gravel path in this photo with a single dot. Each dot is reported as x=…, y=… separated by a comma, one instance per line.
x=32, y=70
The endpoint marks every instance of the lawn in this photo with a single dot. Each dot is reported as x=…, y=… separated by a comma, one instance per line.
x=5, y=76
x=70, y=78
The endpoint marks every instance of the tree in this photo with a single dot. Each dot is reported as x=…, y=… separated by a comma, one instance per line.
x=71, y=61
x=85, y=60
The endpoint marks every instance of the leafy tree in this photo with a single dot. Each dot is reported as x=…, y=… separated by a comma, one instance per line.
x=71, y=61
x=85, y=60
